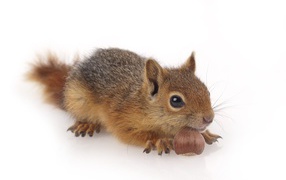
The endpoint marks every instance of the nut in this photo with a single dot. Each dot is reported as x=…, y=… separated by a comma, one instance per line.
x=189, y=141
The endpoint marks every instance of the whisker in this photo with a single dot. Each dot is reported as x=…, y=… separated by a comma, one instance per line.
x=219, y=124
x=213, y=85
x=222, y=108
x=218, y=98
x=207, y=74
x=219, y=105
x=220, y=95
x=224, y=103
x=224, y=116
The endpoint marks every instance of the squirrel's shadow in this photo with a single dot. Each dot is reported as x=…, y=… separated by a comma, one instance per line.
x=210, y=149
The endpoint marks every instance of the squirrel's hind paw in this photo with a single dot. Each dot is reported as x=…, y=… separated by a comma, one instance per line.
x=83, y=128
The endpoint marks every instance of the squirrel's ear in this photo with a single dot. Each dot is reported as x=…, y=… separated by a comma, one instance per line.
x=153, y=75
x=191, y=63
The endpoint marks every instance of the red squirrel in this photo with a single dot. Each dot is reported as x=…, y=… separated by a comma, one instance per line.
x=131, y=96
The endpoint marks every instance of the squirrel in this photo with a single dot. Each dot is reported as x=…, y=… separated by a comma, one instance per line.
x=132, y=97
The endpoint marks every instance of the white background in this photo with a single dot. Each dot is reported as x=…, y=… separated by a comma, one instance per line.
x=240, y=47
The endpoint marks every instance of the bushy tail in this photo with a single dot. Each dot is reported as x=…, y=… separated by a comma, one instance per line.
x=52, y=74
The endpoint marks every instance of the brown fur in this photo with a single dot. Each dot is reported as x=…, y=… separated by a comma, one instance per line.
x=52, y=74
x=127, y=94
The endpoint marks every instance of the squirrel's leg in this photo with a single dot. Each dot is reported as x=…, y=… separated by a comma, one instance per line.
x=83, y=128
x=209, y=137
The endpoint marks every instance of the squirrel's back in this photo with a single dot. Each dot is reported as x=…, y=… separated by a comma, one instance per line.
x=108, y=71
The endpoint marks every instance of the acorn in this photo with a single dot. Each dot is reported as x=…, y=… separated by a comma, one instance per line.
x=189, y=141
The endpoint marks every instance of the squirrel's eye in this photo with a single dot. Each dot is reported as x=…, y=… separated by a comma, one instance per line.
x=176, y=101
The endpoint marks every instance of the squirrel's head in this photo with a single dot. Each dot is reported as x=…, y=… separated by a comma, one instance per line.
x=177, y=97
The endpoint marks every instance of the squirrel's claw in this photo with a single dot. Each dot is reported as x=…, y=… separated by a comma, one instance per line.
x=210, y=138
x=149, y=146
x=164, y=145
x=147, y=150
x=73, y=127
x=83, y=128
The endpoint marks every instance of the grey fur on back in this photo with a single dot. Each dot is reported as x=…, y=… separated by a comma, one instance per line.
x=109, y=71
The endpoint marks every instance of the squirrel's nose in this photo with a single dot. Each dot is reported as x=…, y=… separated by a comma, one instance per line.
x=208, y=118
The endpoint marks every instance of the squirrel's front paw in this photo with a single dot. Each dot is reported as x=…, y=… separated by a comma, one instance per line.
x=83, y=128
x=209, y=137
x=162, y=145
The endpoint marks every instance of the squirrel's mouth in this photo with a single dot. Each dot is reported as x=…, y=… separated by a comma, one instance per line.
x=200, y=129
